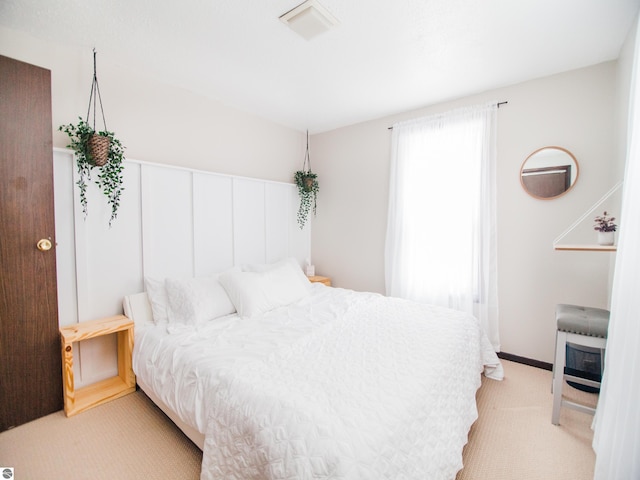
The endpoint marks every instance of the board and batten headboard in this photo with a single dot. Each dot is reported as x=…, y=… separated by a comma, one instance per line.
x=172, y=222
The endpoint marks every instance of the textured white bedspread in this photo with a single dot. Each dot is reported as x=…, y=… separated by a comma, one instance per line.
x=342, y=385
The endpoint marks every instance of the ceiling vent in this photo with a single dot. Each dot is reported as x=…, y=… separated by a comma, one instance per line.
x=309, y=19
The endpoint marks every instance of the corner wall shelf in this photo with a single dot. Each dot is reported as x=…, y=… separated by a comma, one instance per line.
x=589, y=248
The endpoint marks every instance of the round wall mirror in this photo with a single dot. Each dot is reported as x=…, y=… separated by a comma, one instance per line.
x=549, y=172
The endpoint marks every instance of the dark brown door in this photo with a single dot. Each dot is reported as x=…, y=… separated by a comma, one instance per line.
x=30, y=361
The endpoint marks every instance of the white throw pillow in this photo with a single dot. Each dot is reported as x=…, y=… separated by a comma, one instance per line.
x=157, y=298
x=196, y=300
x=254, y=293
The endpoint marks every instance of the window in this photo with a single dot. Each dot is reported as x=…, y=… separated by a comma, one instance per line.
x=441, y=225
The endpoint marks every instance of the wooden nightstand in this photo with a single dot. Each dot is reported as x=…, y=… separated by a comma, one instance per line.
x=320, y=279
x=76, y=401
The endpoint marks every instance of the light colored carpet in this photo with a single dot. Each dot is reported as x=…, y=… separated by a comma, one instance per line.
x=513, y=437
x=129, y=438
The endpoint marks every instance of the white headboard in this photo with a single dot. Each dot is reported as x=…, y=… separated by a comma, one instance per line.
x=171, y=222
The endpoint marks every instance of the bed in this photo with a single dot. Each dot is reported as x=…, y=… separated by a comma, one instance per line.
x=277, y=378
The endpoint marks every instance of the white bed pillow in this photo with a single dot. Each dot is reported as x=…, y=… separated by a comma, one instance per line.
x=157, y=295
x=254, y=293
x=264, y=267
x=196, y=300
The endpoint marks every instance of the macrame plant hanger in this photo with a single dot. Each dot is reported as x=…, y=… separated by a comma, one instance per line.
x=98, y=144
x=306, y=167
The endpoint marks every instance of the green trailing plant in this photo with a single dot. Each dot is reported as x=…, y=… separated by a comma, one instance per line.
x=109, y=179
x=308, y=187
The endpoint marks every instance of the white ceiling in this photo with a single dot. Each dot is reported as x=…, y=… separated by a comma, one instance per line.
x=385, y=57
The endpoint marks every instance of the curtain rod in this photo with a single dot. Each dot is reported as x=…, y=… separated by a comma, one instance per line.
x=498, y=105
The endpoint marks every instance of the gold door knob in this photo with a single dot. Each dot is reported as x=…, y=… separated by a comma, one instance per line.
x=44, y=244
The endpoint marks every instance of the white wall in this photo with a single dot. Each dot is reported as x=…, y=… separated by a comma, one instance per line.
x=575, y=110
x=156, y=122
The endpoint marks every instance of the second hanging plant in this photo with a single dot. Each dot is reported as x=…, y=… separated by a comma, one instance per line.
x=308, y=187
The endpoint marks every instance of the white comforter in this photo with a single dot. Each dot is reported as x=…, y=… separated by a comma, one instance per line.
x=341, y=385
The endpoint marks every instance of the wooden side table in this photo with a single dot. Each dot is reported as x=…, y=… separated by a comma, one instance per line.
x=76, y=401
x=320, y=279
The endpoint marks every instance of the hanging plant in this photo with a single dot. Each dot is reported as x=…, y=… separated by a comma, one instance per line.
x=308, y=190
x=97, y=149
x=308, y=187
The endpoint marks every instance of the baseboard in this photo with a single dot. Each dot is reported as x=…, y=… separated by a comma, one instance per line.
x=526, y=361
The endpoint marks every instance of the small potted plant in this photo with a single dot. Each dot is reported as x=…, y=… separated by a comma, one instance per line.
x=605, y=227
x=110, y=179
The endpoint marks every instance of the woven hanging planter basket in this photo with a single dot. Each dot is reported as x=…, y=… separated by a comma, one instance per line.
x=99, y=149
x=308, y=183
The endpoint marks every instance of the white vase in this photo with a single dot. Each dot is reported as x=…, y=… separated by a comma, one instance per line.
x=606, y=238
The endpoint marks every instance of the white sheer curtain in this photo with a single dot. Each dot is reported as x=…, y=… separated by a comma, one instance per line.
x=617, y=423
x=441, y=242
